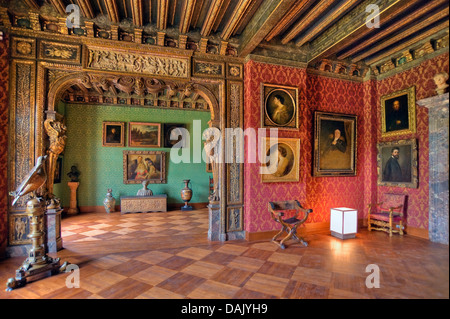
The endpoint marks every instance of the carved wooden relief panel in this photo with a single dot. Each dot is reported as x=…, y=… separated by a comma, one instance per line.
x=23, y=48
x=97, y=58
x=235, y=169
x=59, y=52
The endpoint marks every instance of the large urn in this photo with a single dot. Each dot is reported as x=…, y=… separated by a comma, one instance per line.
x=186, y=195
x=109, y=202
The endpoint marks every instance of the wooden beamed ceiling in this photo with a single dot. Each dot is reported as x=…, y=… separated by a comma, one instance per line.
x=315, y=29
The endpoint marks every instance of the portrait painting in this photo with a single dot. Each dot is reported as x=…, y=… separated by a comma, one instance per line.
x=144, y=134
x=172, y=135
x=398, y=113
x=144, y=165
x=279, y=106
x=334, y=144
x=281, y=160
x=58, y=170
x=113, y=134
x=397, y=163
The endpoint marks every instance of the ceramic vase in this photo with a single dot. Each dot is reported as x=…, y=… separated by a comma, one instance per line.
x=109, y=202
x=186, y=195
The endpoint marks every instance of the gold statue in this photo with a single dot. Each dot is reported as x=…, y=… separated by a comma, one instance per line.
x=57, y=134
x=33, y=181
x=212, y=150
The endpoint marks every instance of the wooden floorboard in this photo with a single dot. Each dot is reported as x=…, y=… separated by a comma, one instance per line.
x=168, y=256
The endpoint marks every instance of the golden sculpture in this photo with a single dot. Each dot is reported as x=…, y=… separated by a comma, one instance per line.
x=212, y=150
x=37, y=261
x=33, y=181
x=57, y=134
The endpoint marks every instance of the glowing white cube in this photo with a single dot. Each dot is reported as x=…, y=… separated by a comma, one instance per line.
x=343, y=222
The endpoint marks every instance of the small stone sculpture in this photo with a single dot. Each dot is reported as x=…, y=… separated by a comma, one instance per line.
x=73, y=174
x=144, y=191
x=440, y=80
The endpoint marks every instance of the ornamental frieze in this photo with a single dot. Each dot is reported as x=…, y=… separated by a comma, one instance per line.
x=148, y=64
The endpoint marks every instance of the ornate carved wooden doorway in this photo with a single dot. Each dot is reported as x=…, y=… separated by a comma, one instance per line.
x=143, y=84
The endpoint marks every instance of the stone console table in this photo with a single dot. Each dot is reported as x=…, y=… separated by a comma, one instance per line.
x=438, y=161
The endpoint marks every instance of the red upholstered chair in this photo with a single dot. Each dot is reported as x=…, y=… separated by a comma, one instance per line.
x=388, y=215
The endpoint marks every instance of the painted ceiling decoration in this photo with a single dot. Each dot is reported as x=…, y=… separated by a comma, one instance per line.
x=325, y=35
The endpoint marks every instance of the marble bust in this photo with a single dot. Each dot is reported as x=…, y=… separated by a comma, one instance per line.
x=144, y=191
x=440, y=80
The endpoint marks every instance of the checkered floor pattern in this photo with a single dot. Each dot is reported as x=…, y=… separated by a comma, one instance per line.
x=168, y=256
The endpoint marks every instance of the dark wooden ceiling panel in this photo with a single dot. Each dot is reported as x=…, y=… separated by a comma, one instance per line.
x=313, y=29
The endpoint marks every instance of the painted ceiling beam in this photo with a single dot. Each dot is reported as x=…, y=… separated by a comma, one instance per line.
x=420, y=37
x=298, y=7
x=379, y=34
x=399, y=36
x=59, y=6
x=211, y=16
x=262, y=23
x=313, y=14
x=163, y=10
x=86, y=8
x=137, y=12
x=345, y=28
x=349, y=42
x=236, y=16
x=325, y=22
x=113, y=11
x=186, y=15
x=32, y=4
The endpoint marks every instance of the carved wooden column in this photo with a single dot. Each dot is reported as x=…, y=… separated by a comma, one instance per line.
x=438, y=117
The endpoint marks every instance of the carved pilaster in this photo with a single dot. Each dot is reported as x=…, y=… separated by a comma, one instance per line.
x=35, y=23
x=160, y=38
x=138, y=35
x=182, y=40
x=114, y=32
x=89, y=29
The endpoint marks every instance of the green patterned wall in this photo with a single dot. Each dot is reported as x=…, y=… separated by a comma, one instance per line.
x=102, y=167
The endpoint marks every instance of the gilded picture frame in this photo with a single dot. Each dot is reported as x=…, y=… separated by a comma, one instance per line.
x=279, y=107
x=142, y=134
x=398, y=113
x=168, y=142
x=113, y=134
x=281, y=160
x=335, y=144
x=397, y=163
x=144, y=165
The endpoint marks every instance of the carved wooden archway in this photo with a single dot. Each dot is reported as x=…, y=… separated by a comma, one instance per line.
x=196, y=87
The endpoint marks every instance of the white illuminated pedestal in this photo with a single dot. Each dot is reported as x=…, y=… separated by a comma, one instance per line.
x=343, y=222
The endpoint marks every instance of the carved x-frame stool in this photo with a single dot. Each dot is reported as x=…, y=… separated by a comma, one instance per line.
x=289, y=225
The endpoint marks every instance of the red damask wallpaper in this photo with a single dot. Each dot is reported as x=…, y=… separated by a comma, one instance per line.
x=317, y=93
x=422, y=78
x=4, y=71
x=318, y=193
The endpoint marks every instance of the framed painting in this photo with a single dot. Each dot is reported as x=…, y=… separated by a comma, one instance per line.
x=113, y=134
x=279, y=106
x=334, y=144
x=58, y=170
x=282, y=157
x=397, y=163
x=176, y=140
x=144, y=134
x=398, y=113
x=144, y=165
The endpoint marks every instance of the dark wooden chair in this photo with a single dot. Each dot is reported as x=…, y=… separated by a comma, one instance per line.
x=289, y=225
x=387, y=215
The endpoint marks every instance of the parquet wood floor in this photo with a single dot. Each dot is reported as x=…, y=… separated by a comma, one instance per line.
x=167, y=256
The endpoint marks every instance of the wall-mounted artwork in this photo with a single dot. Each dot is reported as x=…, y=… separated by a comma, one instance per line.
x=398, y=113
x=279, y=106
x=334, y=144
x=397, y=163
x=58, y=170
x=172, y=129
x=282, y=157
x=144, y=134
x=144, y=165
x=113, y=134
